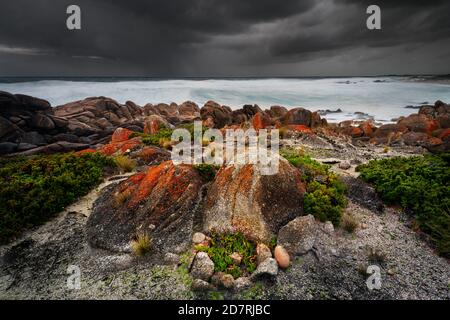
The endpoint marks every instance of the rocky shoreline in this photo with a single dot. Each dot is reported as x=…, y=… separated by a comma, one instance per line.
x=182, y=208
x=30, y=125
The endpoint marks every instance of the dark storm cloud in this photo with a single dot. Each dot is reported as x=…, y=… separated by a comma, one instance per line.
x=222, y=38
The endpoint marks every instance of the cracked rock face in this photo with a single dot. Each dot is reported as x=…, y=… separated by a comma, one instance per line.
x=241, y=199
x=160, y=201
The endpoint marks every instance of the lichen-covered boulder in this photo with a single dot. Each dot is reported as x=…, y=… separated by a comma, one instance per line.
x=160, y=202
x=242, y=199
x=215, y=115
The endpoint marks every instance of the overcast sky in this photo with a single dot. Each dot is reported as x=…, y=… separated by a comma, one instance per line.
x=218, y=38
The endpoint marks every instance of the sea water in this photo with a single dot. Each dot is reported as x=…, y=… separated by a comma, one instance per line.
x=382, y=98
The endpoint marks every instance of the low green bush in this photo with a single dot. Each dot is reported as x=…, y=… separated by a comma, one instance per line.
x=325, y=193
x=34, y=189
x=207, y=171
x=159, y=139
x=225, y=244
x=421, y=185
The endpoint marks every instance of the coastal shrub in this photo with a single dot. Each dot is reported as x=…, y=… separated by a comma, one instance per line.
x=141, y=245
x=34, y=189
x=160, y=139
x=421, y=185
x=190, y=127
x=325, y=193
x=223, y=245
x=207, y=171
x=124, y=163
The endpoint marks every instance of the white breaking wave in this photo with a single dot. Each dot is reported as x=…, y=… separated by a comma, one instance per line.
x=383, y=98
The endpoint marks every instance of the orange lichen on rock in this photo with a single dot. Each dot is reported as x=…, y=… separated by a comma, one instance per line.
x=121, y=135
x=299, y=128
x=257, y=122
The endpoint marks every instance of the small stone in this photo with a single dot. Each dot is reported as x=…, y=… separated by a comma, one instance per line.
x=236, y=258
x=171, y=258
x=223, y=280
x=241, y=283
x=282, y=257
x=202, y=267
x=328, y=227
x=364, y=226
x=262, y=253
x=390, y=272
x=198, y=237
x=268, y=267
x=201, y=285
x=344, y=165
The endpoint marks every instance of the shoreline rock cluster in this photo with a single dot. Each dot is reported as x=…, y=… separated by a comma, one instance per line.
x=29, y=125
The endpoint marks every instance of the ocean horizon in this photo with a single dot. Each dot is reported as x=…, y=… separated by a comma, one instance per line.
x=381, y=98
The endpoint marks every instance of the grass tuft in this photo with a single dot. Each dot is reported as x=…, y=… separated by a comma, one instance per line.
x=141, y=245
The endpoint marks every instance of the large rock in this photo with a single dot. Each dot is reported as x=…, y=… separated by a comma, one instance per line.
x=277, y=111
x=297, y=116
x=155, y=122
x=299, y=235
x=242, y=199
x=160, y=201
x=216, y=115
x=419, y=123
x=42, y=122
x=57, y=147
x=188, y=111
x=6, y=127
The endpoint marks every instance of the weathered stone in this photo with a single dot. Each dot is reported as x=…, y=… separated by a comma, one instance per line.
x=344, y=165
x=262, y=253
x=268, y=267
x=202, y=267
x=297, y=116
x=299, y=235
x=222, y=280
x=164, y=196
x=236, y=258
x=40, y=121
x=198, y=237
x=218, y=116
x=242, y=283
x=242, y=199
x=201, y=285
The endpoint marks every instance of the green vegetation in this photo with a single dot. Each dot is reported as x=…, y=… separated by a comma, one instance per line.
x=225, y=244
x=190, y=127
x=325, y=193
x=421, y=185
x=160, y=139
x=255, y=292
x=207, y=171
x=34, y=189
x=141, y=245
